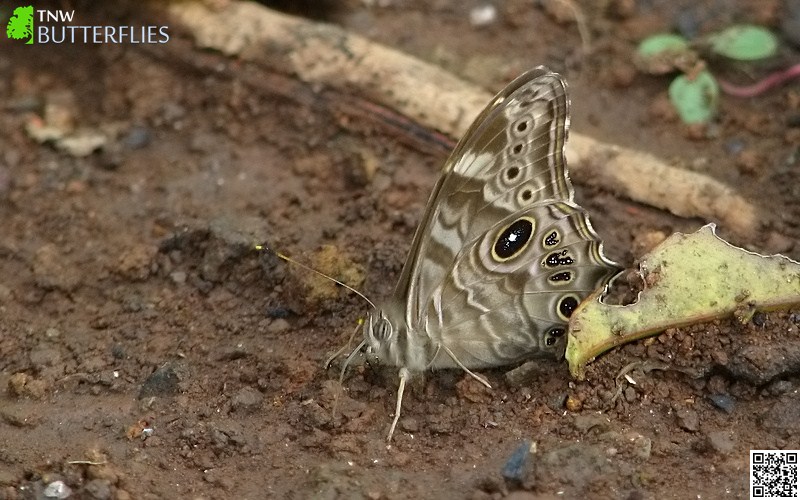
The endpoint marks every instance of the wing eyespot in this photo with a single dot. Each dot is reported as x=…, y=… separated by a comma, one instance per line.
x=513, y=239
x=556, y=259
x=567, y=305
x=512, y=173
x=517, y=148
x=551, y=239
x=522, y=126
x=553, y=335
x=560, y=278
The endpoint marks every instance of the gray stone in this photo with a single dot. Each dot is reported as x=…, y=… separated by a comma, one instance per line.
x=278, y=325
x=720, y=441
x=783, y=417
x=688, y=419
x=163, y=381
x=99, y=489
x=247, y=399
x=42, y=357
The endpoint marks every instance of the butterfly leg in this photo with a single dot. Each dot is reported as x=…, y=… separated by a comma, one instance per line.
x=345, y=347
x=347, y=362
x=479, y=378
x=404, y=376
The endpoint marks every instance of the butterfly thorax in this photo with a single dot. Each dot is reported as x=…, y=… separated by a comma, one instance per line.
x=393, y=343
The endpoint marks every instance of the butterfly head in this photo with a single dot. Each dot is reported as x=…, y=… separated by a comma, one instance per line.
x=387, y=338
x=378, y=332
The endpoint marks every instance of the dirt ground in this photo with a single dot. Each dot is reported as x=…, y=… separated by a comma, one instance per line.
x=148, y=351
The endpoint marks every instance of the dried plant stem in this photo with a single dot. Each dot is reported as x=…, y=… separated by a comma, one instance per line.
x=328, y=57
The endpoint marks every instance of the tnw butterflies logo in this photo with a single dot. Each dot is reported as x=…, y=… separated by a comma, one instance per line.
x=44, y=26
x=20, y=25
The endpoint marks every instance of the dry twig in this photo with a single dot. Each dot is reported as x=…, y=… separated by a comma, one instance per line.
x=327, y=56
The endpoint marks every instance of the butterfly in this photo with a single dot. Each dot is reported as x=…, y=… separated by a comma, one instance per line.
x=502, y=256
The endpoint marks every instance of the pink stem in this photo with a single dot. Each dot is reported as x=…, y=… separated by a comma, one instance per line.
x=767, y=83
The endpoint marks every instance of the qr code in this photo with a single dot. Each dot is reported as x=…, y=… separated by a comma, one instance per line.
x=773, y=474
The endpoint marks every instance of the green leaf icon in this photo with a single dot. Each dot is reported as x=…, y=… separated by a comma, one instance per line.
x=20, y=25
x=744, y=42
x=696, y=99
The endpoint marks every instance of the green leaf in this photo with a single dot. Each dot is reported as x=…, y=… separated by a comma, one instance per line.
x=696, y=99
x=663, y=42
x=744, y=42
x=663, y=53
x=690, y=279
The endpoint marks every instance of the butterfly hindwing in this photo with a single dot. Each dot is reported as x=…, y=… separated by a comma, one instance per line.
x=506, y=300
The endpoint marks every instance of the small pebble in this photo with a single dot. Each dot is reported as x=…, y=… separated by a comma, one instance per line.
x=723, y=401
x=57, y=489
x=278, y=312
x=483, y=15
x=557, y=401
x=779, y=387
x=23, y=385
x=514, y=468
x=409, y=424
x=573, y=404
x=7, y=478
x=118, y=351
x=178, y=277
x=98, y=489
x=588, y=421
x=161, y=382
x=52, y=271
x=688, y=420
x=688, y=22
x=734, y=146
x=42, y=357
x=720, y=441
x=247, y=399
x=278, y=325
x=138, y=137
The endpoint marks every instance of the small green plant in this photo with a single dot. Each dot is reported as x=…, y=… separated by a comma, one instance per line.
x=695, y=92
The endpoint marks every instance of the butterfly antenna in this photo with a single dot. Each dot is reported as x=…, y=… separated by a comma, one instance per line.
x=290, y=260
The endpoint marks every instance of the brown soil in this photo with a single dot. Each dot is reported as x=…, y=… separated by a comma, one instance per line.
x=148, y=351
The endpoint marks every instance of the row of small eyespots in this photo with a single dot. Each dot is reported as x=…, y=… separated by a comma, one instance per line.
x=566, y=306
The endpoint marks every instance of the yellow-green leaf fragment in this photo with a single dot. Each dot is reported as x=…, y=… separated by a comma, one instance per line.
x=688, y=279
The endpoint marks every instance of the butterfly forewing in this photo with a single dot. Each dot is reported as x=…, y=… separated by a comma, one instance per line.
x=469, y=283
x=510, y=158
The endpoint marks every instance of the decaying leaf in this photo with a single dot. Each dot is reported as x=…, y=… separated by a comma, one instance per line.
x=688, y=279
